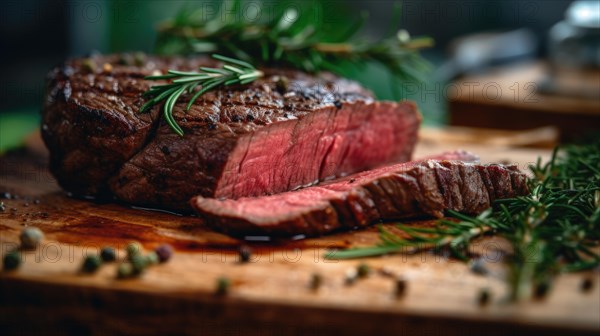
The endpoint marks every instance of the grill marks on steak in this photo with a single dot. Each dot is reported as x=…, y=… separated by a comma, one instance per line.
x=427, y=187
x=239, y=141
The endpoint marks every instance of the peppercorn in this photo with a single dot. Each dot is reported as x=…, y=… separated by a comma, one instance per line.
x=138, y=263
x=282, y=84
x=478, y=266
x=12, y=260
x=400, y=288
x=363, y=270
x=139, y=58
x=91, y=263
x=108, y=254
x=107, y=67
x=484, y=297
x=222, y=286
x=245, y=253
x=152, y=258
x=133, y=249
x=2, y=207
x=351, y=276
x=125, y=270
x=587, y=284
x=89, y=65
x=164, y=252
x=31, y=237
x=315, y=281
x=541, y=289
x=5, y=195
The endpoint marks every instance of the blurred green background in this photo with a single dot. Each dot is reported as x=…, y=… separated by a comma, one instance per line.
x=38, y=34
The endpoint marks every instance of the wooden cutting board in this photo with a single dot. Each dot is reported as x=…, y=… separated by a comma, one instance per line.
x=269, y=295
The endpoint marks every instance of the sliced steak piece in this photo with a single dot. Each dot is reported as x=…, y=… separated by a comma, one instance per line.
x=418, y=188
x=284, y=131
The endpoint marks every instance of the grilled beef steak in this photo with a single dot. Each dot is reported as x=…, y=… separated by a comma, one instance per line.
x=284, y=131
x=426, y=187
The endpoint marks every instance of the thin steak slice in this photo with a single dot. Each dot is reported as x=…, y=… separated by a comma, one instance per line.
x=284, y=131
x=418, y=188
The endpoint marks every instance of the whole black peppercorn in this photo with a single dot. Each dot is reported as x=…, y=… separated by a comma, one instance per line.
x=484, y=297
x=91, y=263
x=164, y=252
x=541, y=289
x=245, y=253
x=587, y=284
x=12, y=260
x=400, y=288
x=337, y=104
x=108, y=254
x=316, y=280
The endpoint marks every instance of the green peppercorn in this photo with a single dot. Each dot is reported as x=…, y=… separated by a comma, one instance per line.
x=316, y=281
x=484, y=297
x=282, y=84
x=152, y=258
x=12, y=260
x=91, y=263
x=125, y=270
x=31, y=238
x=139, y=264
x=89, y=65
x=108, y=254
x=222, y=286
x=139, y=58
x=363, y=270
x=133, y=249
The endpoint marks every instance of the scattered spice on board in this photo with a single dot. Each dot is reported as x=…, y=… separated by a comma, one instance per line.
x=108, y=254
x=223, y=285
x=31, y=238
x=12, y=260
x=91, y=263
x=164, y=252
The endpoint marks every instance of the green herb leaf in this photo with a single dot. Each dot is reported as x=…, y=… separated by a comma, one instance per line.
x=233, y=72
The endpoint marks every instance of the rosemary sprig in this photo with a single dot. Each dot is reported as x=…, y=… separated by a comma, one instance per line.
x=553, y=230
x=233, y=72
x=278, y=40
x=293, y=39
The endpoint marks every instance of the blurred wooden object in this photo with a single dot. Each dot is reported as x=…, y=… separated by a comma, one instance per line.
x=543, y=137
x=510, y=98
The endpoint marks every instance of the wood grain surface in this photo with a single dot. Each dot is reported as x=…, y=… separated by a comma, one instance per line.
x=270, y=295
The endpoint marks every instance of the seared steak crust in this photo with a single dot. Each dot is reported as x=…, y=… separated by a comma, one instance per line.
x=100, y=145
